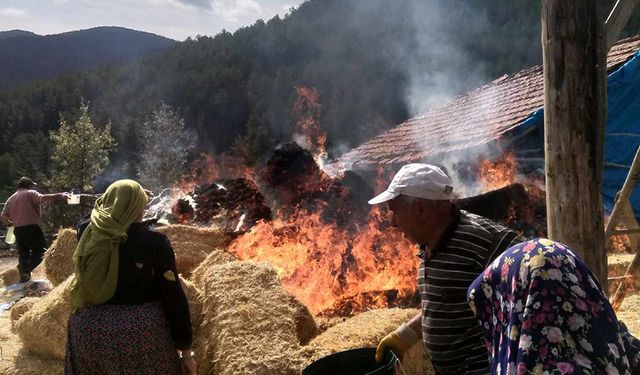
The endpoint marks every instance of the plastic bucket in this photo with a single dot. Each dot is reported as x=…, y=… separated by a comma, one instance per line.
x=10, y=238
x=355, y=362
x=73, y=199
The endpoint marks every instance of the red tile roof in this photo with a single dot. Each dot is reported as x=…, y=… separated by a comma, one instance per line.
x=475, y=118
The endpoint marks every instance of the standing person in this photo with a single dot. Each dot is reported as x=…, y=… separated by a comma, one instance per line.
x=129, y=312
x=455, y=247
x=22, y=210
x=543, y=312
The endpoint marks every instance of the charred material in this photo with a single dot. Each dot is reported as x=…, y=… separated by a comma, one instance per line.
x=234, y=204
x=349, y=306
x=511, y=206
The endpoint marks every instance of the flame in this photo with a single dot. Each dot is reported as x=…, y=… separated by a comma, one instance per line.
x=497, y=174
x=322, y=264
x=307, y=111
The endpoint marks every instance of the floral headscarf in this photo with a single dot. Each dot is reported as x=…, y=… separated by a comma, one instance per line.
x=543, y=312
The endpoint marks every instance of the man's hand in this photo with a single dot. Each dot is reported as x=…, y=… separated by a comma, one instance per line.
x=399, y=341
x=189, y=366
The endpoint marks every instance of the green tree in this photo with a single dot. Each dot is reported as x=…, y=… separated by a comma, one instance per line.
x=164, y=148
x=80, y=151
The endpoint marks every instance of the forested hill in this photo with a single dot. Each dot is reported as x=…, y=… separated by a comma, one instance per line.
x=372, y=64
x=14, y=33
x=26, y=57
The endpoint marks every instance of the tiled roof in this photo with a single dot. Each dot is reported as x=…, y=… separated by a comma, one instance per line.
x=475, y=118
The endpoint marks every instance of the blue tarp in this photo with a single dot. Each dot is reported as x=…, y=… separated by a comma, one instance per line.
x=622, y=135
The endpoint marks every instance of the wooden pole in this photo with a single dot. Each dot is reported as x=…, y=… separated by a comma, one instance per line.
x=574, y=117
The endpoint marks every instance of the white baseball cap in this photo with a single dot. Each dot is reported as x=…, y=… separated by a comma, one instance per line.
x=417, y=180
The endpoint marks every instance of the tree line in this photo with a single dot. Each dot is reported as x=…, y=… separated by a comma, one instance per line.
x=235, y=92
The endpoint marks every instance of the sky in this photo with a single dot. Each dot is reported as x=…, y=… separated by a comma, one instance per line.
x=176, y=19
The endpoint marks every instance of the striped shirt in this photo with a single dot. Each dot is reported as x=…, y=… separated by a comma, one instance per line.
x=449, y=328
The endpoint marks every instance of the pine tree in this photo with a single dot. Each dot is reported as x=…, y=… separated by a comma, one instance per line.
x=80, y=151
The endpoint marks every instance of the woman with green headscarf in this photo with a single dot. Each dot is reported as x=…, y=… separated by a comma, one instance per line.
x=129, y=312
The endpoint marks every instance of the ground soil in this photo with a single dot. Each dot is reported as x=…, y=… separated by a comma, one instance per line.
x=15, y=360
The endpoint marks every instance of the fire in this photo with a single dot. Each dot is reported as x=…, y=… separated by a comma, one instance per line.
x=497, y=174
x=322, y=264
x=307, y=111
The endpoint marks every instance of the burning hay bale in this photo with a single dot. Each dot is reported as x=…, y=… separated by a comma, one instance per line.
x=58, y=259
x=249, y=324
x=21, y=307
x=10, y=276
x=294, y=179
x=292, y=173
x=43, y=328
x=192, y=245
x=366, y=330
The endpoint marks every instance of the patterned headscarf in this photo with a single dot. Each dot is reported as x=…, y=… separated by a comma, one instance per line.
x=97, y=255
x=543, y=312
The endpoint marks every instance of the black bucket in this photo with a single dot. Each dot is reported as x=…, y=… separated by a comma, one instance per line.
x=354, y=362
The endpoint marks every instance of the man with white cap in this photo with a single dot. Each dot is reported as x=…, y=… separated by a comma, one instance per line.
x=455, y=247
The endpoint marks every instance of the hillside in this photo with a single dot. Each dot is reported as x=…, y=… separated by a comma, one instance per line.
x=14, y=33
x=367, y=65
x=26, y=57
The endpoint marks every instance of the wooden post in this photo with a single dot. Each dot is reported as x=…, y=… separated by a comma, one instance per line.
x=574, y=117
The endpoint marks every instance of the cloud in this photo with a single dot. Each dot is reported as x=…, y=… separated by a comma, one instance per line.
x=232, y=10
x=206, y=4
x=12, y=12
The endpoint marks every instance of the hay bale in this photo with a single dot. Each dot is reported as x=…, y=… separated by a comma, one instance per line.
x=249, y=324
x=21, y=307
x=192, y=244
x=194, y=297
x=58, y=259
x=43, y=328
x=189, y=255
x=216, y=257
x=366, y=330
x=214, y=237
x=10, y=276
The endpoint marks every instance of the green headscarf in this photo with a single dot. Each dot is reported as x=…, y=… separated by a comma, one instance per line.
x=96, y=257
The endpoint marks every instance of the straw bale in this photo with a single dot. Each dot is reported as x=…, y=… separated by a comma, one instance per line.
x=16, y=360
x=216, y=257
x=194, y=297
x=10, y=276
x=192, y=244
x=21, y=307
x=214, y=237
x=58, y=259
x=43, y=328
x=366, y=330
x=249, y=324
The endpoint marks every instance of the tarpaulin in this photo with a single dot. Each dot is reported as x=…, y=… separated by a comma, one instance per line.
x=622, y=134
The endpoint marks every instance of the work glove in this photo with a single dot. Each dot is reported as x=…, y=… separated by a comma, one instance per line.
x=399, y=341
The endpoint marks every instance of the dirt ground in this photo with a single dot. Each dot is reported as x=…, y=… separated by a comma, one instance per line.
x=15, y=360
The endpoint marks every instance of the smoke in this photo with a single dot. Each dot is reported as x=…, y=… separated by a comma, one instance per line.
x=442, y=65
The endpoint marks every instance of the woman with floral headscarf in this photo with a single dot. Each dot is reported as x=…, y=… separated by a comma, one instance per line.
x=543, y=312
x=129, y=312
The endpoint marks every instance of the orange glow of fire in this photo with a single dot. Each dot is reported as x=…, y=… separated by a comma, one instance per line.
x=497, y=174
x=306, y=110
x=209, y=168
x=322, y=264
